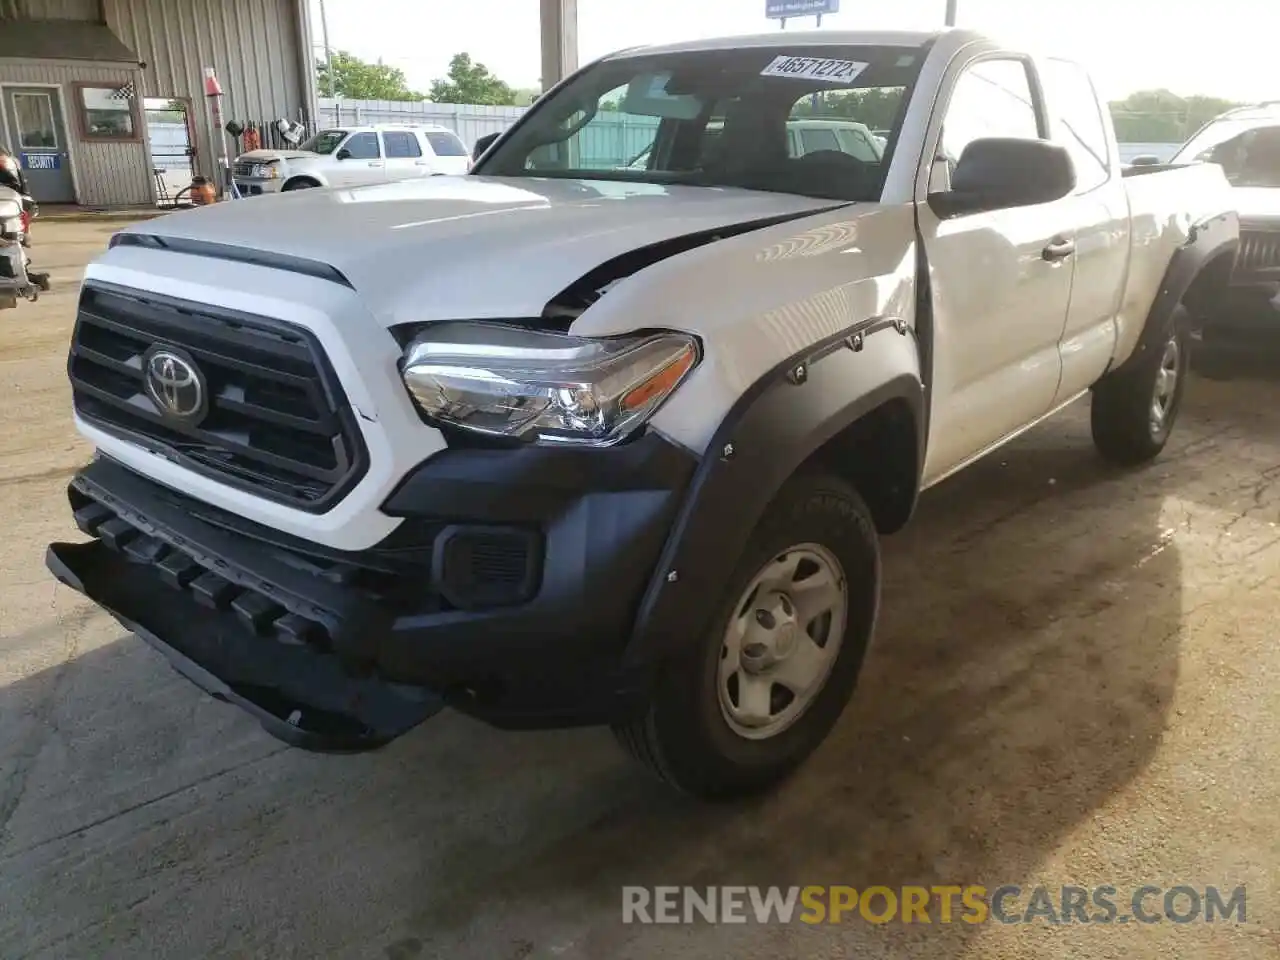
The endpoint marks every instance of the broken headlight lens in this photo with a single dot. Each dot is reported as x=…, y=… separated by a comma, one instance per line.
x=512, y=382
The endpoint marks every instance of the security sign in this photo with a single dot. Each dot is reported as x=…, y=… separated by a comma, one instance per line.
x=41, y=161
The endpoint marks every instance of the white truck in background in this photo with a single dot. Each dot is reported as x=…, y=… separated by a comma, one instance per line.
x=560, y=444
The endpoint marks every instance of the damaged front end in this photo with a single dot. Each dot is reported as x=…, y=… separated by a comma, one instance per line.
x=574, y=300
x=238, y=620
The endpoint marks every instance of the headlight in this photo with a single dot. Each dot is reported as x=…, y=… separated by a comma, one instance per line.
x=513, y=382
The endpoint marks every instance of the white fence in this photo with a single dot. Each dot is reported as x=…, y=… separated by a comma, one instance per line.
x=617, y=142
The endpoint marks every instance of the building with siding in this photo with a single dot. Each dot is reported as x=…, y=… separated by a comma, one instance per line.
x=86, y=84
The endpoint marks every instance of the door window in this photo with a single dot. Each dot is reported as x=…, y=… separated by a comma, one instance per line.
x=363, y=146
x=992, y=98
x=445, y=144
x=1077, y=122
x=401, y=146
x=33, y=113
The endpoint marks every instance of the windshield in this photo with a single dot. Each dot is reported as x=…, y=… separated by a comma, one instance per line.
x=326, y=141
x=1248, y=150
x=725, y=118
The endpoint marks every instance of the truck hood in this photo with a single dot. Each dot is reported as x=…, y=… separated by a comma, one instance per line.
x=474, y=247
x=1257, y=203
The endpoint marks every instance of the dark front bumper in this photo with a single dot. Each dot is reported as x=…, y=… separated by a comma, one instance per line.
x=298, y=694
x=346, y=651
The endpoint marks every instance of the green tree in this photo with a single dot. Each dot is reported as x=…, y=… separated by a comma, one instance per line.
x=1161, y=116
x=470, y=82
x=354, y=79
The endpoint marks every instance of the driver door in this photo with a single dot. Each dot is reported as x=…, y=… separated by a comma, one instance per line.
x=359, y=161
x=1000, y=289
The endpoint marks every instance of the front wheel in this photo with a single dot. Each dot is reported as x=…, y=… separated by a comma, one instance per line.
x=750, y=701
x=1134, y=410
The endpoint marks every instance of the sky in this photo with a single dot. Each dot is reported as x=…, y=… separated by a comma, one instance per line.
x=1225, y=48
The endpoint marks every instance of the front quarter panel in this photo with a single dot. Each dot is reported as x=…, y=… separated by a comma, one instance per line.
x=757, y=299
x=806, y=327
x=312, y=169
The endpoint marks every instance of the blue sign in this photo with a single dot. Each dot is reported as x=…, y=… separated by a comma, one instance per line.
x=785, y=9
x=42, y=161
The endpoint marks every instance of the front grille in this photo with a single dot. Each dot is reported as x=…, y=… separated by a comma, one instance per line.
x=243, y=169
x=1259, y=253
x=277, y=425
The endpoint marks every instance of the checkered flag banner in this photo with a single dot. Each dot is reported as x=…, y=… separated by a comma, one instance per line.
x=127, y=92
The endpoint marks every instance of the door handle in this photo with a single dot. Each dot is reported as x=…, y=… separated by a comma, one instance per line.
x=1059, y=248
x=422, y=163
x=375, y=163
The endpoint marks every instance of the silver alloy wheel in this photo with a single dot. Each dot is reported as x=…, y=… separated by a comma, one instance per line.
x=1166, y=387
x=782, y=641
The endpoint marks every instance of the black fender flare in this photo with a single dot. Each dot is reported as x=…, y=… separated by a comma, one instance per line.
x=773, y=429
x=1207, y=240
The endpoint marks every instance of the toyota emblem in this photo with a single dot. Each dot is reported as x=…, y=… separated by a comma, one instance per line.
x=175, y=385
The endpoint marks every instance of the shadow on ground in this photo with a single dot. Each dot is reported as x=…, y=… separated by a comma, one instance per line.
x=1026, y=658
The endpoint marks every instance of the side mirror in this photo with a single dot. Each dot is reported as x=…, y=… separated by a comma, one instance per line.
x=1146, y=160
x=997, y=172
x=343, y=154
x=483, y=144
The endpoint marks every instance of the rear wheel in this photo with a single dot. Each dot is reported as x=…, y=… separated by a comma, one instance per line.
x=1134, y=409
x=752, y=699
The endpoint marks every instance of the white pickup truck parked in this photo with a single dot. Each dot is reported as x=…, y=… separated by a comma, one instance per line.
x=562, y=444
x=353, y=157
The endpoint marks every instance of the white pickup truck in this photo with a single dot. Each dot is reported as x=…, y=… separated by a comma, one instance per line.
x=556, y=444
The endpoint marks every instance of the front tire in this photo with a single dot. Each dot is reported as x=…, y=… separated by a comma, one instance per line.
x=749, y=702
x=301, y=183
x=1134, y=409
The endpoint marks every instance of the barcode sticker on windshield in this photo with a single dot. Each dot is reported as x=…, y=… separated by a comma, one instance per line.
x=814, y=68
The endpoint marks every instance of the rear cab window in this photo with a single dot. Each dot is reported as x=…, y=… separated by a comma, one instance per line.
x=400, y=145
x=446, y=144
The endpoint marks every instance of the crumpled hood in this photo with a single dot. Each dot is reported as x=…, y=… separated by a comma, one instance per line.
x=261, y=156
x=471, y=247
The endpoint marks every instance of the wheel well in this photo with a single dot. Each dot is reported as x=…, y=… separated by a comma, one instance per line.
x=879, y=455
x=1201, y=297
x=294, y=181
